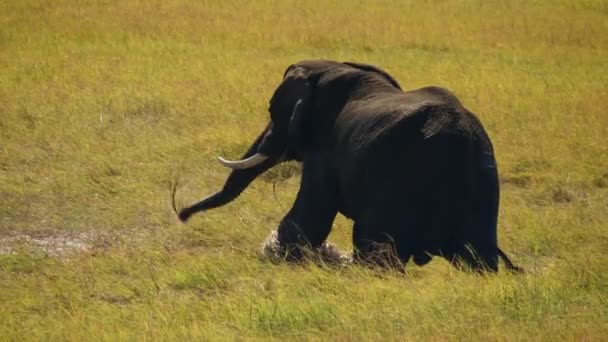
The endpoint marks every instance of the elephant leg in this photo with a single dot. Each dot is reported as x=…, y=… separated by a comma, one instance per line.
x=309, y=221
x=422, y=258
x=476, y=243
x=476, y=256
x=374, y=247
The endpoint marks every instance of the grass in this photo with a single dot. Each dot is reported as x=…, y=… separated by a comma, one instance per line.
x=103, y=103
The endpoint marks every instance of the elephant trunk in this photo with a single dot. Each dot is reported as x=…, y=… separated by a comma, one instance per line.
x=239, y=178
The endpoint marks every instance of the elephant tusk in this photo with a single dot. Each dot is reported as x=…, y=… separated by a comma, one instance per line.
x=247, y=163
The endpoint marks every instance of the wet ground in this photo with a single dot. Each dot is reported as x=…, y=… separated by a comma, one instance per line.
x=59, y=243
x=56, y=244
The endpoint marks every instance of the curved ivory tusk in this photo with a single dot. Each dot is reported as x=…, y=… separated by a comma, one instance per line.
x=245, y=163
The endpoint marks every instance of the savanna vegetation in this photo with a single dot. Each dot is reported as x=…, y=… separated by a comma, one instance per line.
x=103, y=104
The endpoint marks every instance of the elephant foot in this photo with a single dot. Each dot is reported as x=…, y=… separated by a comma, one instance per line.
x=326, y=253
x=381, y=255
x=478, y=260
x=421, y=259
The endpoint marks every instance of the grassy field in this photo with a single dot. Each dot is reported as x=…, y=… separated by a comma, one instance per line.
x=103, y=103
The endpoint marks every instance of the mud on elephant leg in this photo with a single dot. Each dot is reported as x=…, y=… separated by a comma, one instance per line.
x=294, y=242
x=327, y=252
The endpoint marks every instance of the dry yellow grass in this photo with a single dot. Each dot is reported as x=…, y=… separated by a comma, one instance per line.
x=103, y=102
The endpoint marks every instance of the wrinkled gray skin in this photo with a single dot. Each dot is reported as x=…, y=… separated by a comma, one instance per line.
x=414, y=170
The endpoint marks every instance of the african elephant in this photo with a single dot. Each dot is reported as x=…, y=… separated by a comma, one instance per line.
x=414, y=170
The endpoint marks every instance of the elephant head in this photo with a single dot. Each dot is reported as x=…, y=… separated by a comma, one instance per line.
x=283, y=138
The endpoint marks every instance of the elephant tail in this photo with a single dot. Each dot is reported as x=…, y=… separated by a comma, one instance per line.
x=509, y=265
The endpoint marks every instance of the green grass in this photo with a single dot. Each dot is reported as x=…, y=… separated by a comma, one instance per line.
x=103, y=103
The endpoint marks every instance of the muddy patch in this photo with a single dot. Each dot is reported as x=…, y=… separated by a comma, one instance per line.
x=52, y=243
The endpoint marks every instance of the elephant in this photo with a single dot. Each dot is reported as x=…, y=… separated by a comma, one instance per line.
x=414, y=170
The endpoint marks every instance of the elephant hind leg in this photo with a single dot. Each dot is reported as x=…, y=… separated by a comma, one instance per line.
x=477, y=259
x=422, y=258
x=377, y=248
x=381, y=254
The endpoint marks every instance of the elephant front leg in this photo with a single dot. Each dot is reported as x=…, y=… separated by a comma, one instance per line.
x=308, y=223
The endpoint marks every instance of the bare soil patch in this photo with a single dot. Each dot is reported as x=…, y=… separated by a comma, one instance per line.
x=54, y=243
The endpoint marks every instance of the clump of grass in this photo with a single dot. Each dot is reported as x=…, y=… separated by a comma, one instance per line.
x=103, y=103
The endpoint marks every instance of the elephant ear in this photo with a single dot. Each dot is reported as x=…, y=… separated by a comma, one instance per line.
x=296, y=122
x=299, y=92
x=371, y=68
